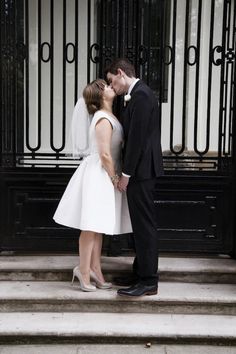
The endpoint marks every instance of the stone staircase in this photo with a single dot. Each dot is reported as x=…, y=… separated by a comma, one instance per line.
x=195, y=307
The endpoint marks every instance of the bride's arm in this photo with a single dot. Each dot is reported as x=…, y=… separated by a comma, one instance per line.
x=103, y=136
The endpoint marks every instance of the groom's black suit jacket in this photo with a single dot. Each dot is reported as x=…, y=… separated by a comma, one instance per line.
x=142, y=156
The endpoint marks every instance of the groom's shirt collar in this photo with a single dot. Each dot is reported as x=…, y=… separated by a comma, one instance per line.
x=132, y=86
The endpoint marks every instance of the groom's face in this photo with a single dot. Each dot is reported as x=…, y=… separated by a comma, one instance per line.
x=117, y=82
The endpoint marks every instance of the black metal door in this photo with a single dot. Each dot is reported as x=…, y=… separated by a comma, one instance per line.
x=184, y=50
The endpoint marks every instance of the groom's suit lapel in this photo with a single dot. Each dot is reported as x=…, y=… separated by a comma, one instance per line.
x=126, y=111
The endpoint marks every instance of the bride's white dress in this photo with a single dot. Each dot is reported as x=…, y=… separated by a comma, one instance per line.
x=90, y=201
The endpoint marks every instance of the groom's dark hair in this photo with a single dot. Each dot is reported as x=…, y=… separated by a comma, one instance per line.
x=123, y=64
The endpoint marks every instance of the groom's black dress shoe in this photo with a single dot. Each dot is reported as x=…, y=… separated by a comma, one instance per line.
x=125, y=281
x=138, y=290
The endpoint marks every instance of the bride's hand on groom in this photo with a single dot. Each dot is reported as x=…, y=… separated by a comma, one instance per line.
x=123, y=183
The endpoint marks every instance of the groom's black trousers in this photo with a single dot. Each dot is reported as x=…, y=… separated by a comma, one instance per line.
x=142, y=213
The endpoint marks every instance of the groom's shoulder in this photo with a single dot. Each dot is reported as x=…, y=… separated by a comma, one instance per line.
x=144, y=90
x=142, y=86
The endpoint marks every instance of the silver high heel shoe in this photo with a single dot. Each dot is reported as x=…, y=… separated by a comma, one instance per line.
x=99, y=284
x=84, y=287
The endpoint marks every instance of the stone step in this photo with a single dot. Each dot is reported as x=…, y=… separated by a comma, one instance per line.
x=219, y=269
x=116, y=328
x=115, y=349
x=177, y=298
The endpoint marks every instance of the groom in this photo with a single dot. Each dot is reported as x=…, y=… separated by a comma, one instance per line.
x=142, y=166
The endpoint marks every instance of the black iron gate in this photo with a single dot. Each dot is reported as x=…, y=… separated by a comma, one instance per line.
x=184, y=50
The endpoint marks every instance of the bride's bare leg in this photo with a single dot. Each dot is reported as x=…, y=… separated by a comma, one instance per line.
x=96, y=257
x=86, y=245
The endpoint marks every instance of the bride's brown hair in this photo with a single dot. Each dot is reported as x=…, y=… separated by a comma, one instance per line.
x=93, y=94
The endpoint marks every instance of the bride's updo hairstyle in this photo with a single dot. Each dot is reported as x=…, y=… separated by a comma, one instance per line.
x=93, y=94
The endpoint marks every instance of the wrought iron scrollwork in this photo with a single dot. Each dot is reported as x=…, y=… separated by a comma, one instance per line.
x=228, y=55
x=95, y=47
x=70, y=61
x=131, y=55
x=21, y=51
x=14, y=52
x=8, y=51
x=196, y=51
x=165, y=55
x=218, y=61
x=143, y=55
x=42, y=46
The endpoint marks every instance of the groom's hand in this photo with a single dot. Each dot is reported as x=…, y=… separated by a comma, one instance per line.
x=123, y=183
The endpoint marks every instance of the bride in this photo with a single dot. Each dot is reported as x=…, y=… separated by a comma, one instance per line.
x=91, y=202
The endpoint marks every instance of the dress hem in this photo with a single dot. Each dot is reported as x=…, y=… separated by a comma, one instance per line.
x=98, y=231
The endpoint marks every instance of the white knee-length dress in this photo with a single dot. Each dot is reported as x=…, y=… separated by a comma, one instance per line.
x=90, y=201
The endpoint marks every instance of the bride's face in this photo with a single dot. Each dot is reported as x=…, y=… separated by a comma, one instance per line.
x=108, y=92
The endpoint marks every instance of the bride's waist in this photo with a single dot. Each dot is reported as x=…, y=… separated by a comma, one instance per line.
x=96, y=156
x=114, y=155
